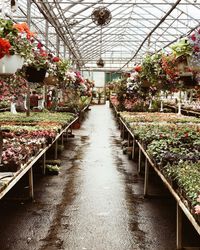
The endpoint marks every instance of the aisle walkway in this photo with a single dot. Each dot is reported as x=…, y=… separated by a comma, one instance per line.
x=96, y=202
x=105, y=210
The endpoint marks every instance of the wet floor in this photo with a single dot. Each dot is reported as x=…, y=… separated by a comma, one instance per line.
x=95, y=203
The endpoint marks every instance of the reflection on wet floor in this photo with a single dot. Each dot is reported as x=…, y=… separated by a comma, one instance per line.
x=96, y=202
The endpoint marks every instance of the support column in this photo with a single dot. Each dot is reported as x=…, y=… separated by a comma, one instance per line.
x=29, y=12
x=129, y=139
x=133, y=149
x=58, y=45
x=64, y=50
x=47, y=33
x=139, y=160
x=28, y=91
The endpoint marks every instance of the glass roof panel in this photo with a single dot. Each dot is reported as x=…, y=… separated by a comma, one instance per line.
x=124, y=40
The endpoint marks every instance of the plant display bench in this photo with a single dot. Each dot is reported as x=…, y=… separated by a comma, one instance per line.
x=9, y=179
x=181, y=208
x=184, y=111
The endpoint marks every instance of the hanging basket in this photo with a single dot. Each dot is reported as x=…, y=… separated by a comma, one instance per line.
x=145, y=83
x=181, y=64
x=9, y=64
x=35, y=75
x=51, y=80
x=188, y=80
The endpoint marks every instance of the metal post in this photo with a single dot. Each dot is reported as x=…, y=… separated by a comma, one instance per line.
x=146, y=177
x=129, y=139
x=30, y=178
x=44, y=163
x=28, y=100
x=47, y=33
x=29, y=24
x=133, y=149
x=29, y=12
x=64, y=52
x=178, y=227
x=139, y=160
x=58, y=45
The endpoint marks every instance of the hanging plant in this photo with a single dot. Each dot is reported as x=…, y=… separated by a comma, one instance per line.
x=100, y=63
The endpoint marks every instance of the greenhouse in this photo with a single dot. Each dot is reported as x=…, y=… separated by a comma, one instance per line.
x=99, y=124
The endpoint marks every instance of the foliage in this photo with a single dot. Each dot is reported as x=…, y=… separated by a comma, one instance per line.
x=187, y=176
x=181, y=48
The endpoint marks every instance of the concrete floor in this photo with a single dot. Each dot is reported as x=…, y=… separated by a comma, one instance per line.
x=95, y=203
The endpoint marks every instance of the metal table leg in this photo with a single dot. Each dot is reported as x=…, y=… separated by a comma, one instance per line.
x=146, y=178
x=30, y=178
x=179, y=215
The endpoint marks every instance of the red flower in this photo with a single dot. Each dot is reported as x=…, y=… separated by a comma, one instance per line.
x=4, y=47
x=56, y=59
x=138, y=68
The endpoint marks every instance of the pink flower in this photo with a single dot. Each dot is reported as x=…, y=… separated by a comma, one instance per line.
x=39, y=46
x=193, y=37
x=197, y=209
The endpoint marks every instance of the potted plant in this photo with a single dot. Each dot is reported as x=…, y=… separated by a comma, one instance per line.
x=37, y=65
x=52, y=72
x=15, y=45
x=182, y=50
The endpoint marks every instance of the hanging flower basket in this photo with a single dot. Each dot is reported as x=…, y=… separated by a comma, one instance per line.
x=51, y=80
x=188, y=80
x=35, y=75
x=145, y=83
x=9, y=64
x=181, y=63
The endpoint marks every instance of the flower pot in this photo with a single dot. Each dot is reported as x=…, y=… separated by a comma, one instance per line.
x=10, y=64
x=51, y=80
x=188, y=80
x=35, y=75
x=145, y=83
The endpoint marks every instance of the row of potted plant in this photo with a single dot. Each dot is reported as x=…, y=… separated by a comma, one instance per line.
x=23, y=137
x=156, y=117
x=186, y=175
x=173, y=144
